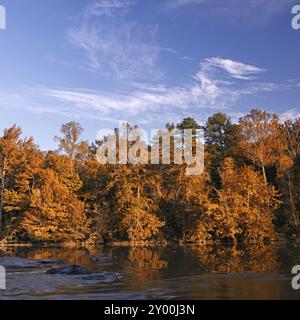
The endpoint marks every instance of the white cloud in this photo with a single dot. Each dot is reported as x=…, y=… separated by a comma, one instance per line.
x=174, y=4
x=108, y=7
x=236, y=69
x=115, y=46
x=141, y=100
x=234, y=8
x=208, y=91
x=290, y=114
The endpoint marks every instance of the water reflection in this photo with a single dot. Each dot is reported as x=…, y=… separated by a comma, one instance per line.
x=254, y=258
x=183, y=272
x=143, y=263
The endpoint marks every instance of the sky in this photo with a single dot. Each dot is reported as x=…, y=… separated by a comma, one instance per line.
x=147, y=62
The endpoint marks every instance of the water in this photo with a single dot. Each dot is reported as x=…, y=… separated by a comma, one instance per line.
x=171, y=272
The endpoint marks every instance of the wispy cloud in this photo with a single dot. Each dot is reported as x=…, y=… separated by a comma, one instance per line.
x=108, y=7
x=236, y=69
x=290, y=114
x=233, y=8
x=203, y=92
x=116, y=46
x=218, y=85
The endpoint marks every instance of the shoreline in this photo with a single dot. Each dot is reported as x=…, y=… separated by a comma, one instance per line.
x=281, y=238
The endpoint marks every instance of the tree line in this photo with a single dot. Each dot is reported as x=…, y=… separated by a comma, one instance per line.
x=249, y=189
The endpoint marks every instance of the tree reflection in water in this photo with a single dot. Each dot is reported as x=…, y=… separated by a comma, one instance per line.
x=183, y=272
x=144, y=262
x=224, y=259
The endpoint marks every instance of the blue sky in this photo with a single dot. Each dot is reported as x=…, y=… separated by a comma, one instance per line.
x=144, y=61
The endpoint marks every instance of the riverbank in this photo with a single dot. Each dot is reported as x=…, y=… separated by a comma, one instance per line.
x=281, y=238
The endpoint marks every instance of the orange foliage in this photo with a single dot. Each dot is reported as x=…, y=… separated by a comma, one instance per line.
x=67, y=196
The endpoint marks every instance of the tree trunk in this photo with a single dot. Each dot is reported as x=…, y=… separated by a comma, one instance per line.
x=264, y=174
x=2, y=197
x=138, y=193
x=293, y=208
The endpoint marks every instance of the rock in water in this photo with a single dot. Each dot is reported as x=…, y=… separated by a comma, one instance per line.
x=53, y=261
x=69, y=270
x=101, y=259
x=103, y=277
x=18, y=263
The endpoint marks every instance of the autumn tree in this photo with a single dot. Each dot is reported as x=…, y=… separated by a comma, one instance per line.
x=288, y=169
x=68, y=196
x=132, y=194
x=8, y=154
x=54, y=213
x=70, y=143
x=19, y=161
x=62, y=165
x=183, y=201
x=261, y=141
x=95, y=178
x=243, y=209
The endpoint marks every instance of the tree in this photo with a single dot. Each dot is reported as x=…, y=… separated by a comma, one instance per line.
x=217, y=130
x=70, y=142
x=19, y=160
x=183, y=201
x=63, y=167
x=54, y=212
x=288, y=168
x=132, y=193
x=221, y=137
x=8, y=150
x=187, y=123
x=242, y=210
x=261, y=141
x=68, y=196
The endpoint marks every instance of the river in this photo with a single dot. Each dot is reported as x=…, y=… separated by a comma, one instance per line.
x=170, y=272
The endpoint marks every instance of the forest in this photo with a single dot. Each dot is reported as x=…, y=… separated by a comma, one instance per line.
x=249, y=190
